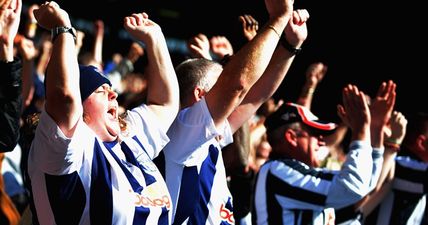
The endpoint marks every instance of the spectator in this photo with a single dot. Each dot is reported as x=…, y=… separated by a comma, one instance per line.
x=215, y=102
x=290, y=189
x=331, y=155
x=86, y=165
x=381, y=108
x=10, y=97
x=405, y=198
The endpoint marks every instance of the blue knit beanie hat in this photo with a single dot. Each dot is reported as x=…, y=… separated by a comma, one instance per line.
x=90, y=79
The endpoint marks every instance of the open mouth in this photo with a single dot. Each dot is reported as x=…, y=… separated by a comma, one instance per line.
x=113, y=112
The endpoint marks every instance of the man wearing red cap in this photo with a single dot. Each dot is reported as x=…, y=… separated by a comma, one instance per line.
x=291, y=189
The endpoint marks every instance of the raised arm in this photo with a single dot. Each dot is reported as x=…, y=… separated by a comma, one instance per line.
x=97, y=50
x=31, y=23
x=398, y=124
x=278, y=67
x=247, y=65
x=356, y=171
x=63, y=102
x=314, y=75
x=381, y=108
x=163, y=94
x=28, y=53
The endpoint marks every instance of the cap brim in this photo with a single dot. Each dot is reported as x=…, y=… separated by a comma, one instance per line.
x=319, y=127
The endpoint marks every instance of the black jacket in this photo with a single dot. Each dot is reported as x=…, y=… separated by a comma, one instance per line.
x=10, y=104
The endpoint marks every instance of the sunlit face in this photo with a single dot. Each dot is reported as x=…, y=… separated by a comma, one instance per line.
x=100, y=113
x=309, y=145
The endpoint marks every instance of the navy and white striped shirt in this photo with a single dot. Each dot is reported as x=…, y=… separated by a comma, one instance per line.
x=406, y=201
x=290, y=192
x=194, y=168
x=81, y=180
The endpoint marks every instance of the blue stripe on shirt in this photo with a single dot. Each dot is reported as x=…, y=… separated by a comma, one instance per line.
x=66, y=197
x=207, y=173
x=101, y=202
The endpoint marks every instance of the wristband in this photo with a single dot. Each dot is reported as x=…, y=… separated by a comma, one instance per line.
x=60, y=30
x=293, y=50
x=395, y=147
x=393, y=141
x=32, y=26
x=310, y=91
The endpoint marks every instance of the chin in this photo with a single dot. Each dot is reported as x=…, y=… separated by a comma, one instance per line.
x=113, y=131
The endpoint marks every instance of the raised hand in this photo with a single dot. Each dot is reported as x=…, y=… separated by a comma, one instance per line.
x=199, y=46
x=141, y=27
x=315, y=73
x=250, y=26
x=277, y=8
x=382, y=105
x=10, y=13
x=355, y=112
x=50, y=15
x=398, y=124
x=296, y=31
x=221, y=46
x=135, y=52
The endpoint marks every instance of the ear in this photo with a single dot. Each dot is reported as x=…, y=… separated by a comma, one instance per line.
x=198, y=92
x=290, y=137
x=421, y=143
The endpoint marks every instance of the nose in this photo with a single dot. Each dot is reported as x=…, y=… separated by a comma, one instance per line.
x=112, y=94
x=321, y=141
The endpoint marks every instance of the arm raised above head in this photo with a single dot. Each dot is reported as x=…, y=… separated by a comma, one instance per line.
x=247, y=65
x=63, y=102
x=162, y=95
x=275, y=72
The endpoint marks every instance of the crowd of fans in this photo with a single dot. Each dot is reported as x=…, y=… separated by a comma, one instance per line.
x=146, y=136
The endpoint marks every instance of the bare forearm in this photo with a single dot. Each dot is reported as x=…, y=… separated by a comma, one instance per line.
x=27, y=82
x=62, y=80
x=163, y=88
x=306, y=95
x=6, y=52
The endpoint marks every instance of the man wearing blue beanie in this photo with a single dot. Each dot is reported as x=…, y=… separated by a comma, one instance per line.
x=86, y=164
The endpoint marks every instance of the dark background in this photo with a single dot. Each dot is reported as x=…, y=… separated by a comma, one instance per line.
x=362, y=42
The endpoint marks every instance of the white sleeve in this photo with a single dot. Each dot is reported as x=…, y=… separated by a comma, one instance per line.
x=353, y=180
x=143, y=123
x=56, y=154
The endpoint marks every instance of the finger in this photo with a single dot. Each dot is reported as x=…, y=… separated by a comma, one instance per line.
x=341, y=112
x=127, y=22
x=363, y=100
x=304, y=14
x=16, y=5
x=382, y=90
x=53, y=4
x=145, y=15
x=345, y=98
x=241, y=19
x=391, y=87
x=248, y=20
